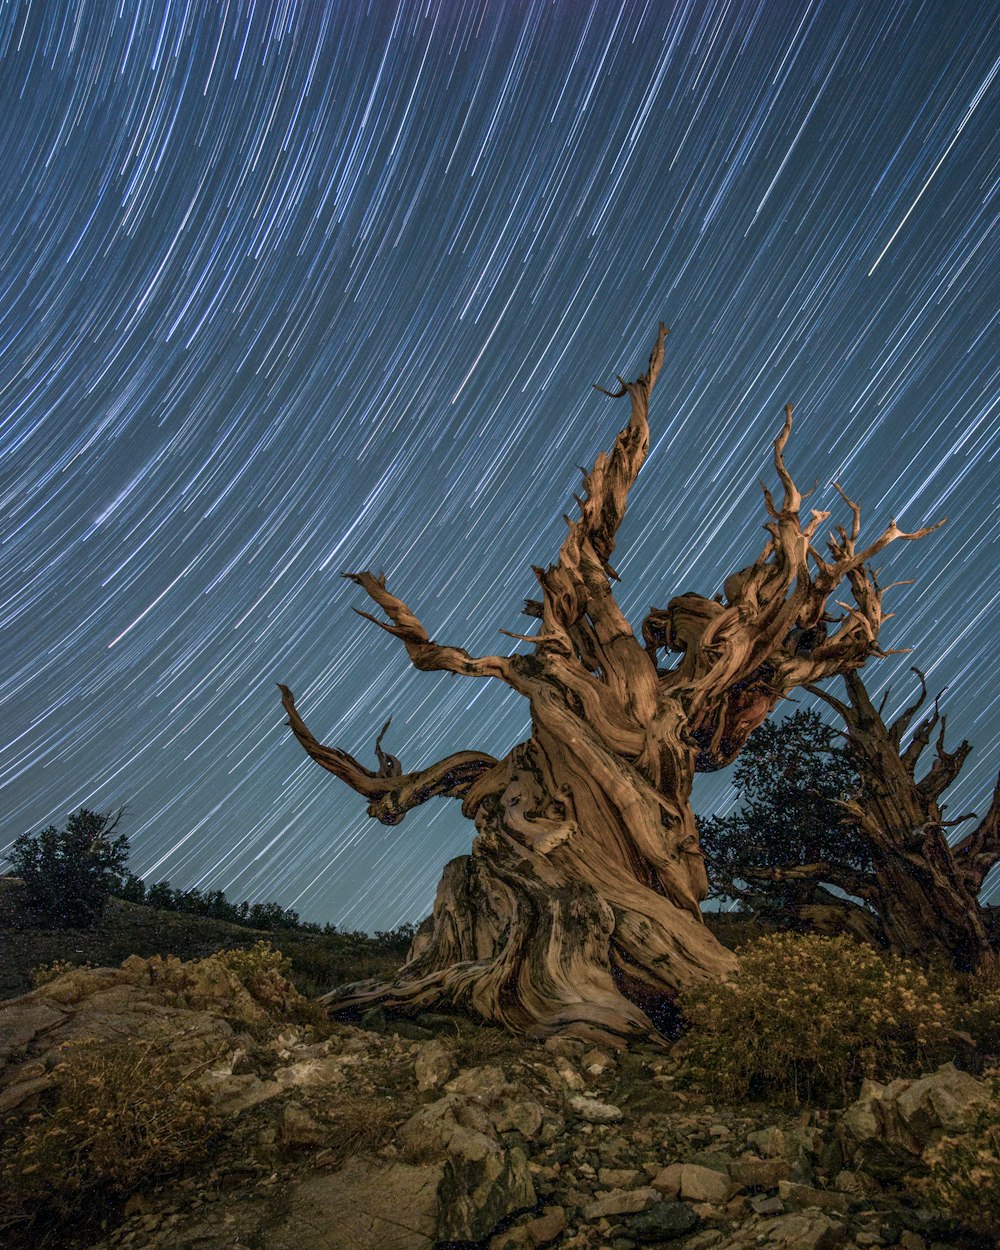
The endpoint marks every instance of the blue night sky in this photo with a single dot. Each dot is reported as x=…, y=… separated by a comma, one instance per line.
x=296, y=288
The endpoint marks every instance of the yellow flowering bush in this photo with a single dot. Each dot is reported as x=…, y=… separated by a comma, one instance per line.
x=263, y=971
x=254, y=963
x=807, y=1017
x=46, y=973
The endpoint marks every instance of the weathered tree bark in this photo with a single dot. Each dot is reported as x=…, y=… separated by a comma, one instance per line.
x=577, y=911
x=923, y=891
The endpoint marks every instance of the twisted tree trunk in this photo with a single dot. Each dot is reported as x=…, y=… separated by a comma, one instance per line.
x=577, y=911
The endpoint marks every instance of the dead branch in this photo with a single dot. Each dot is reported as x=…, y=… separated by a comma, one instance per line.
x=391, y=794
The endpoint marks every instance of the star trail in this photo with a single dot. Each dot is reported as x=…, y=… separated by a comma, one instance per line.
x=292, y=288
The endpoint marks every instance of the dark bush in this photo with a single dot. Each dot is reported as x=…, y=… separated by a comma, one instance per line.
x=70, y=873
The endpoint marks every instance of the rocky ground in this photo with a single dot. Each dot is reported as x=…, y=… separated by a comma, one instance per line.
x=411, y=1135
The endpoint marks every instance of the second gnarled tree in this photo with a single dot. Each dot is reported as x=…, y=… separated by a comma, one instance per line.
x=577, y=911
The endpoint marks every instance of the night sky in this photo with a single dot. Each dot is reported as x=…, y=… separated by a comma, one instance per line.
x=292, y=288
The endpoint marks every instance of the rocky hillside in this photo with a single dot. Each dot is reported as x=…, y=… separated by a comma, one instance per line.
x=164, y=1105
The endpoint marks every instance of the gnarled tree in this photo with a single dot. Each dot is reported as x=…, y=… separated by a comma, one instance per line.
x=923, y=891
x=577, y=911
x=857, y=817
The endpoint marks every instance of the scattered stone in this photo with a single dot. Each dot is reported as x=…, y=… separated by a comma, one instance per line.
x=668, y=1180
x=802, y=1231
x=701, y=1184
x=596, y=1062
x=619, y=1178
x=434, y=1066
x=594, y=1112
x=622, y=1202
x=538, y=1148
x=801, y=1196
x=546, y=1228
x=769, y=1141
x=568, y=1074
x=663, y=1221
x=759, y=1173
x=764, y=1205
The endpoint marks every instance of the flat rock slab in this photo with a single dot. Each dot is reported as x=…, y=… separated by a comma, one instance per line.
x=361, y=1207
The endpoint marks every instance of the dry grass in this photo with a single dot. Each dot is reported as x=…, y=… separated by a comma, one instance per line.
x=120, y=1114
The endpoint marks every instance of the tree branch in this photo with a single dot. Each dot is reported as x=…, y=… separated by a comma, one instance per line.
x=902, y=722
x=425, y=654
x=978, y=851
x=390, y=791
x=768, y=632
x=861, y=885
x=579, y=583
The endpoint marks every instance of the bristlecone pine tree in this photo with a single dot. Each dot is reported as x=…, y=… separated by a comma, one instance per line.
x=577, y=911
x=924, y=892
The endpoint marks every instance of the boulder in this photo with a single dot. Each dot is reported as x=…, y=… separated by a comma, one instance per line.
x=477, y=1193
x=888, y=1127
x=482, y=1183
x=434, y=1065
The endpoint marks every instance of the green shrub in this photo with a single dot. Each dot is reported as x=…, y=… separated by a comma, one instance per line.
x=808, y=1017
x=70, y=873
x=123, y=1113
x=964, y=1179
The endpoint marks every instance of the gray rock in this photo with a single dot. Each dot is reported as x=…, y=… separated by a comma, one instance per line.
x=759, y=1173
x=662, y=1221
x=800, y=1196
x=802, y=1231
x=622, y=1202
x=476, y=1194
x=361, y=1207
x=434, y=1066
x=594, y=1112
